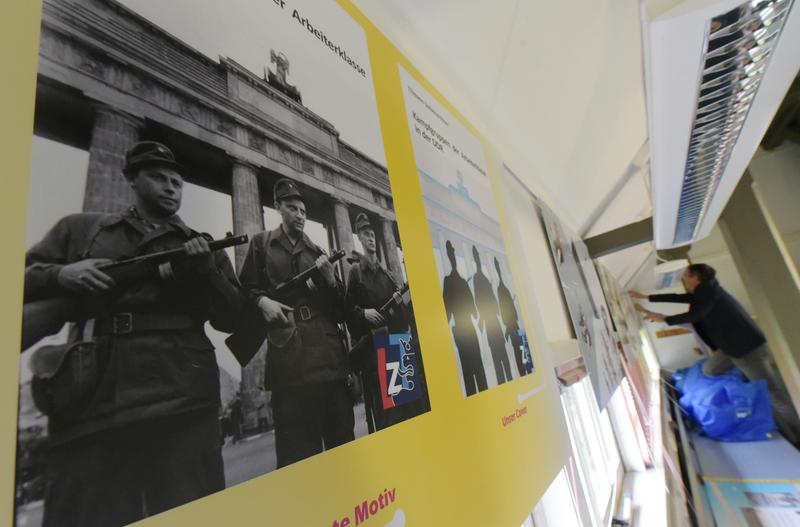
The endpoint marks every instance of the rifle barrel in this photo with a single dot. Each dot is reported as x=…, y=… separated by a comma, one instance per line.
x=162, y=256
x=389, y=302
x=335, y=257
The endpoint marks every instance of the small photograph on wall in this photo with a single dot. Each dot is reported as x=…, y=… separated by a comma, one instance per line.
x=214, y=283
x=591, y=321
x=623, y=314
x=482, y=308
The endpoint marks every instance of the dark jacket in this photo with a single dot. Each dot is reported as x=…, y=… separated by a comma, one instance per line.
x=717, y=317
x=150, y=373
x=316, y=352
x=370, y=287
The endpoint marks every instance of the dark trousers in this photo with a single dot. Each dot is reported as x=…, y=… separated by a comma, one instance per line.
x=759, y=364
x=119, y=476
x=311, y=418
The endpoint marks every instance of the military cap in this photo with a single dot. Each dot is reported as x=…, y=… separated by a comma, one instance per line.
x=285, y=188
x=146, y=153
x=362, y=222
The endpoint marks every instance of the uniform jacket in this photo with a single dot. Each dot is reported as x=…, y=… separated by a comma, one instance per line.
x=370, y=287
x=151, y=373
x=717, y=317
x=316, y=352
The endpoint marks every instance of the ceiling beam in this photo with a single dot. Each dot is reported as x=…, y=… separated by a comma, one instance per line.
x=781, y=127
x=636, y=165
x=622, y=238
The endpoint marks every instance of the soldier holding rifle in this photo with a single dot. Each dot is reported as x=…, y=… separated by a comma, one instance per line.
x=133, y=399
x=370, y=287
x=306, y=366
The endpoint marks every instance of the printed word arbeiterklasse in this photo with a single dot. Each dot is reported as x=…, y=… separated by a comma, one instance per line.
x=323, y=38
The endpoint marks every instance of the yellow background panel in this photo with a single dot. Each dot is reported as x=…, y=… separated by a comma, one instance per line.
x=456, y=465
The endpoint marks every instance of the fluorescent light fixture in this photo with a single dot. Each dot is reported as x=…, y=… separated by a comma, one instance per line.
x=716, y=72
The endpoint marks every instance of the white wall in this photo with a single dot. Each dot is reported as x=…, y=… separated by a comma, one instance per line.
x=777, y=177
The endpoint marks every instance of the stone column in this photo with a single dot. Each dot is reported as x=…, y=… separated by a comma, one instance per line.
x=390, y=249
x=114, y=132
x=769, y=276
x=248, y=216
x=344, y=232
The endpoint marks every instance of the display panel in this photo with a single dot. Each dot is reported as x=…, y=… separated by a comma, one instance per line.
x=482, y=444
x=152, y=128
x=478, y=292
x=587, y=307
x=628, y=331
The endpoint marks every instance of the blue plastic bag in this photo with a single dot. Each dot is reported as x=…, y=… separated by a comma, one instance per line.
x=727, y=407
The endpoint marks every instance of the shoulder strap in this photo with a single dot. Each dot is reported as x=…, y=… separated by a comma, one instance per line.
x=94, y=230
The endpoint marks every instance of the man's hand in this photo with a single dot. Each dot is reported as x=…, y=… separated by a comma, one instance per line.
x=654, y=317
x=273, y=311
x=374, y=318
x=649, y=315
x=85, y=277
x=638, y=295
x=325, y=269
x=200, y=258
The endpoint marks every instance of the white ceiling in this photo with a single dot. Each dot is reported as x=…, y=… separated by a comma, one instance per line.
x=557, y=87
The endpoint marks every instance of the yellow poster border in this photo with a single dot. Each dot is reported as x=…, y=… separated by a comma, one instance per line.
x=466, y=467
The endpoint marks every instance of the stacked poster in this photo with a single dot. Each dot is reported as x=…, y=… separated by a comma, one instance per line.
x=587, y=307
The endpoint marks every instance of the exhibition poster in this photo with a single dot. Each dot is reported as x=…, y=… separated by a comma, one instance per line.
x=587, y=307
x=754, y=503
x=477, y=289
x=628, y=332
x=225, y=290
x=218, y=131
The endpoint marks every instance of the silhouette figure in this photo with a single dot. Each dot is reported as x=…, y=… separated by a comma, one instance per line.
x=508, y=314
x=460, y=306
x=489, y=320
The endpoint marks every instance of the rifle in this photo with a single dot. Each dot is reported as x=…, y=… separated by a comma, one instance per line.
x=301, y=277
x=360, y=348
x=248, y=338
x=45, y=317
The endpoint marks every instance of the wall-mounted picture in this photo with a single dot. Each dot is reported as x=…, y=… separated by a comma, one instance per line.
x=214, y=282
x=591, y=320
x=482, y=308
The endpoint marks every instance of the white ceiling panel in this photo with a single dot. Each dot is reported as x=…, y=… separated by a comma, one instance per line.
x=458, y=45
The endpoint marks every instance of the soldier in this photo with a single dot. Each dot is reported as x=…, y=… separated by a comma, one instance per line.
x=460, y=306
x=148, y=437
x=370, y=286
x=306, y=359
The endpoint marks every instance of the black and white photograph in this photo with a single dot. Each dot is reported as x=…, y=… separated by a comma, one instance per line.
x=214, y=279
